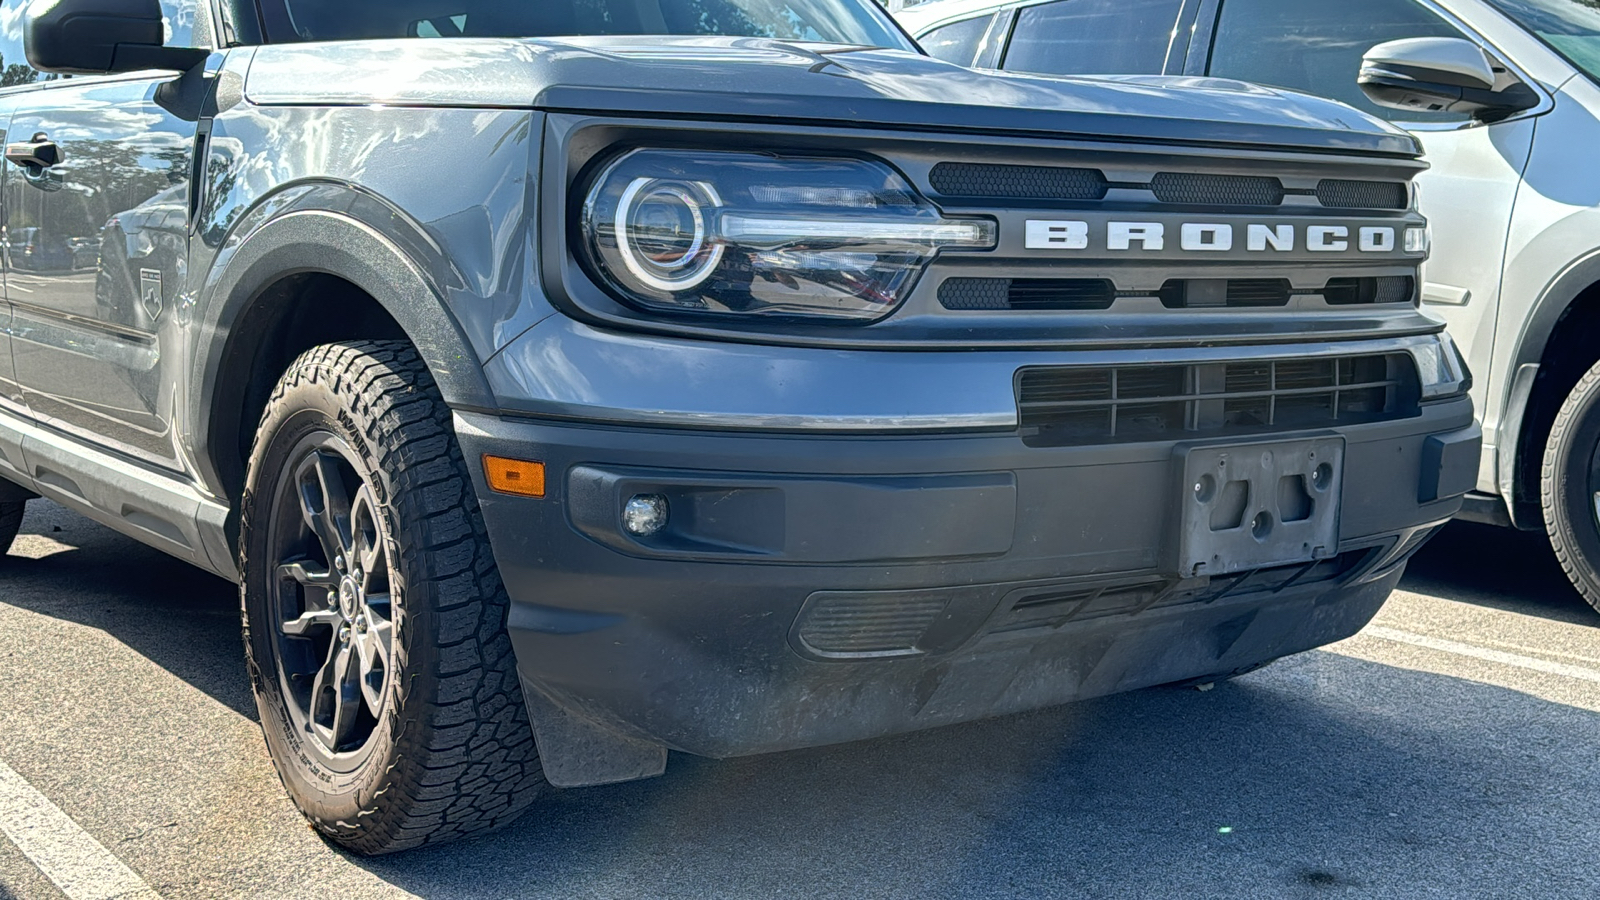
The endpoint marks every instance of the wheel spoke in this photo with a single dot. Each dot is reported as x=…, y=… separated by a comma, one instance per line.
x=316, y=594
x=365, y=532
x=308, y=577
x=325, y=503
x=373, y=648
x=335, y=697
x=303, y=623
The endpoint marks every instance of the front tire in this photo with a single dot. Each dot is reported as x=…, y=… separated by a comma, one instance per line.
x=374, y=616
x=11, y=513
x=1570, y=486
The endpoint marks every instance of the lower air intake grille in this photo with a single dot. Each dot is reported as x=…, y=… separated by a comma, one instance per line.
x=1217, y=190
x=870, y=623
x=1082, y=405
x=1341, y=194
x=1051, y=608
x=1017, y=182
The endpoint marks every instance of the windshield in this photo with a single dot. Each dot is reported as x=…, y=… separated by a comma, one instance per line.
x=859, y=22
x=1572, y=27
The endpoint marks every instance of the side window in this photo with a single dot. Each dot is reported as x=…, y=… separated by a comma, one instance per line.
x=958, y=41
x=1093, y=37
x=1316, y=46
x=179, y=15
x=14, y=68
x=441, y=26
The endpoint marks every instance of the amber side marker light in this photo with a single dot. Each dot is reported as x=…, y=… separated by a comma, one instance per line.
x=514, y=476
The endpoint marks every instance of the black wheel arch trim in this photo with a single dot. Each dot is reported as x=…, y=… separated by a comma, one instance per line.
x=1531, y=343
x=328, y=229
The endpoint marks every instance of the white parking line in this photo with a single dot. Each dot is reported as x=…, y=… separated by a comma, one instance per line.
x=65, y=853
x=1483, y=653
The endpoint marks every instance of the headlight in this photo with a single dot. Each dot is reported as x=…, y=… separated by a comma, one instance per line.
x=1441, y=367
x=1417, y=239
x=746, y=234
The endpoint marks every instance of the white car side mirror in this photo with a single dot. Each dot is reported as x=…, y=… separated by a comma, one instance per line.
x=1437, y=74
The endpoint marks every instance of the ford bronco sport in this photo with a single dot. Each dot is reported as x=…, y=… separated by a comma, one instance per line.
x=564, y=383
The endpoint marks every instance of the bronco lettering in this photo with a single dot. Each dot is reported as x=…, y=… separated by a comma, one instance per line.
x=1200, y=237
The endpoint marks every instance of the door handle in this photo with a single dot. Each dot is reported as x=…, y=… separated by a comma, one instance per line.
x=39, y=153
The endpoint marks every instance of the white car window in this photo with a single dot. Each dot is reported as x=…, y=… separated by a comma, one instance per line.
x=1316, y=46
x=1571, y=27
x=1093, y=37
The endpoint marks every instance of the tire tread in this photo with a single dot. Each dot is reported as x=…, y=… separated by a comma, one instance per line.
x=1582, y=401
x=464, y=758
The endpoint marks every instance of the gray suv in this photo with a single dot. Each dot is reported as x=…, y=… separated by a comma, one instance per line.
x=567, y=383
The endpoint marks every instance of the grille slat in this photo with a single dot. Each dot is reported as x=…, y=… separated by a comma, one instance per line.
x=1258, y=292
x=1027, y=293
x=1061, y=293
x=1383, y=289
x=1067, y=405
x=1216, y=190
x=1017, y=182
x=1340, y=193
x=996, y=181
x=1065, y=294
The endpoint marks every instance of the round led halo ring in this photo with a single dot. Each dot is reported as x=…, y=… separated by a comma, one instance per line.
x=630, y=258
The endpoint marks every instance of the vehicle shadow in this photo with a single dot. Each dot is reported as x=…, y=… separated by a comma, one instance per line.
x=1499, y=568
x=182, y=619
x=1323, y=772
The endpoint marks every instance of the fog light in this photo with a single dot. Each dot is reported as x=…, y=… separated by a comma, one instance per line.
x=645, y=514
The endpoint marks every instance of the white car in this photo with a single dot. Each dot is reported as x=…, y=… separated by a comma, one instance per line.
x=1505, y=97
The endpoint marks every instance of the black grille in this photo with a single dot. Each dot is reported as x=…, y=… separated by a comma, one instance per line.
x=1383, y=289
x=1176, y=293
x=1027, y=293
x=1342, y=194
x=990, y=181
x=1072, y=405
x=1198, y=293
x=1018, y=182
x=1217, y=190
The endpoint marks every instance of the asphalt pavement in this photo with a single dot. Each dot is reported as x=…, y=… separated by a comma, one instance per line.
x=1451, y=750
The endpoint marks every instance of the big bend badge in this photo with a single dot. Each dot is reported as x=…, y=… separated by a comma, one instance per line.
x=150, y=292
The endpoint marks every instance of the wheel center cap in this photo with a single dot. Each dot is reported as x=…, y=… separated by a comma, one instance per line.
x=349, y=597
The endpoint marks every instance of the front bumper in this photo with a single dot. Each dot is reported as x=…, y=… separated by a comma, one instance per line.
x=819, y=589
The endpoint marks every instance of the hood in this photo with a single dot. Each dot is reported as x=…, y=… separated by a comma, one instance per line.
x=755, y=79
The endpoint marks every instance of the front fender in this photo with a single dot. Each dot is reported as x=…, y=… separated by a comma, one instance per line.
x=299, y=233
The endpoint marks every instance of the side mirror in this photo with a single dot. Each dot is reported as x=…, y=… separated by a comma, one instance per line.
x=98, y=37
x=1439, y=75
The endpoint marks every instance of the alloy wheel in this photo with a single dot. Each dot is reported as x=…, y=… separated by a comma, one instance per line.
x=333, y=601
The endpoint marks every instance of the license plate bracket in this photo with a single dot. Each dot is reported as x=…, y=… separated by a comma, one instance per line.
x=1258, y=505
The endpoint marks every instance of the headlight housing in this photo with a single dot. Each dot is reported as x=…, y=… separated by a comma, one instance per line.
x=756, y=235
x=1441, y=367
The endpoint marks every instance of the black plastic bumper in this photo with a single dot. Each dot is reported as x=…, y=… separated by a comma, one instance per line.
x=811, y=590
